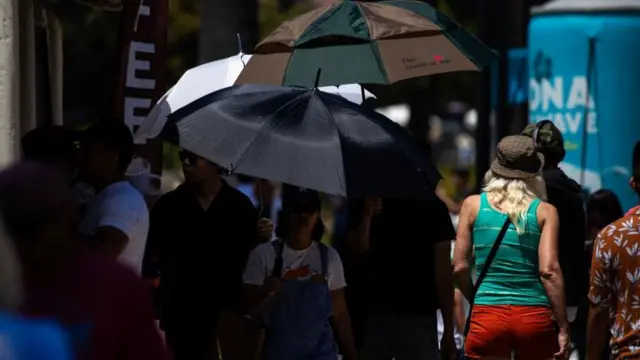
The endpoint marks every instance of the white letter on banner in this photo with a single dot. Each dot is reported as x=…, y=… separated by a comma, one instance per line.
x=134, y=65
x=143, y=10
x=552, y=93
x=130, y=106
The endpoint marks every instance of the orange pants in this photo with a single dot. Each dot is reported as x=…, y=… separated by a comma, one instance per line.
x=497, y=330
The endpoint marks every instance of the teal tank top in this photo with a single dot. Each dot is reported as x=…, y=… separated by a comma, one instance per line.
x=513, y=277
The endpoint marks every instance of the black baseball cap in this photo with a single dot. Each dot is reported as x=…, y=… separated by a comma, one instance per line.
x=49, y=142
x=296, y=200
x=549, y=140
x=112, y=134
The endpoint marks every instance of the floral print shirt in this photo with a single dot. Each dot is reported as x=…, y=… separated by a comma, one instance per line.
x=615, y=282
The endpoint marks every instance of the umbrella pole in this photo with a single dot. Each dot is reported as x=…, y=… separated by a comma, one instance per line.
x=260, y=200
x=317, y=78
x=239, y=43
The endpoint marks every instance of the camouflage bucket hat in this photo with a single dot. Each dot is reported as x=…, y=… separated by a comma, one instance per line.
x=548, y=140
x=517, y=158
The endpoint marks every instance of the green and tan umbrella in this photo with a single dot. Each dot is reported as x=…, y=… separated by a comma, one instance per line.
x=364, y=43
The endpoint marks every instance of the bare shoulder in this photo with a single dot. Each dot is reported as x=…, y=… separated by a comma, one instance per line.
x=469, y=210
x=546, y=212
x=471, y=203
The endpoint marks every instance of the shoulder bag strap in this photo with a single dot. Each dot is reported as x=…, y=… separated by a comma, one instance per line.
x=485, y=269
x=278, y=245
x=324, y=258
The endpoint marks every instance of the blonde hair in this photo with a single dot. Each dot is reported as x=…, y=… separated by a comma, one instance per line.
x=10, y=274
x=514, y=196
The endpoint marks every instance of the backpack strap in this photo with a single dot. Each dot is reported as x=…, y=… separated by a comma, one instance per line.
x=278, y=245
x=324, y=258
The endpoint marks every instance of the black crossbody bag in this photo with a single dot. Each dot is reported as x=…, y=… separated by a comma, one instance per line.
x=483, y=274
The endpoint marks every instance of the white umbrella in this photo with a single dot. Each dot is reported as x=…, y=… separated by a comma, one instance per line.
x=210, y=77
x=400, y=113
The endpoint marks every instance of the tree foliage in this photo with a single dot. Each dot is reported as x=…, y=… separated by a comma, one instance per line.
x=271, y=17
x=90, y=59
x=182, y=37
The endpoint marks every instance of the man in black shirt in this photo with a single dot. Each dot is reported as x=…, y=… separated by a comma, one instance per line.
x=201, y=234
x=405, y=243
x=566, y=195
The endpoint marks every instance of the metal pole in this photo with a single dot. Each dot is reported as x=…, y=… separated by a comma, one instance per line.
x=27, y=47
x=9, y=80
x=501, y=29
x=54, y=32
x=483, y=129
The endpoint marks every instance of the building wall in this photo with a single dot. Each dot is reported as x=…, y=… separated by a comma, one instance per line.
x=17, y=76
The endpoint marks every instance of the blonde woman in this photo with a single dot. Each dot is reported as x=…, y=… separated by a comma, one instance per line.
x=515, y=305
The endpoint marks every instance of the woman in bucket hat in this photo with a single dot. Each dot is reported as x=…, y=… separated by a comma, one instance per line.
x=518, y=304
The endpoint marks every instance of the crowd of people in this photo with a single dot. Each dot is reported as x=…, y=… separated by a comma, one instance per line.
x=541, y=269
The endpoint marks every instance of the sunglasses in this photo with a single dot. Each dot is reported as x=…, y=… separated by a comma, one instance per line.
x=188, y=158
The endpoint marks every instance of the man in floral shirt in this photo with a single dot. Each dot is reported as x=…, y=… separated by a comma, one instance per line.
x=615, y=284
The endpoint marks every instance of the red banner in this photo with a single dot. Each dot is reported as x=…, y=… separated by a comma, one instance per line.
x=143, y=57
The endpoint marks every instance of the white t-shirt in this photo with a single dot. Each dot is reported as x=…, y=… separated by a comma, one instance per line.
x=263, y=258
x=120, y=206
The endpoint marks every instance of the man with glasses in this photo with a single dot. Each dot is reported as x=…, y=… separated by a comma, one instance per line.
x=201, y=234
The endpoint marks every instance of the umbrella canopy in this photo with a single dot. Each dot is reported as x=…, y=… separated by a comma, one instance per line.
x=365, y=43
x=304, y=137
x=210, y=77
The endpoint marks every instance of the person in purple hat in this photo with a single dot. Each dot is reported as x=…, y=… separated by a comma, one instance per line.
x=22, y=338
x=103, y=306
x=296, y=284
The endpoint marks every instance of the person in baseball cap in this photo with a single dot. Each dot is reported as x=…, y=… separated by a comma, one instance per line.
x=299, y=200
x=107, y=150
x=298, y=283
x=299, y=207
x=64, y=280
x=548, y=141
x=568, y=197
x=52, y=144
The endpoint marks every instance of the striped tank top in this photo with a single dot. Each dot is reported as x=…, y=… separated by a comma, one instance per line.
x=513, y=277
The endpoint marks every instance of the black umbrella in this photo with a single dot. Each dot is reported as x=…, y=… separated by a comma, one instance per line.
x=304, y=137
